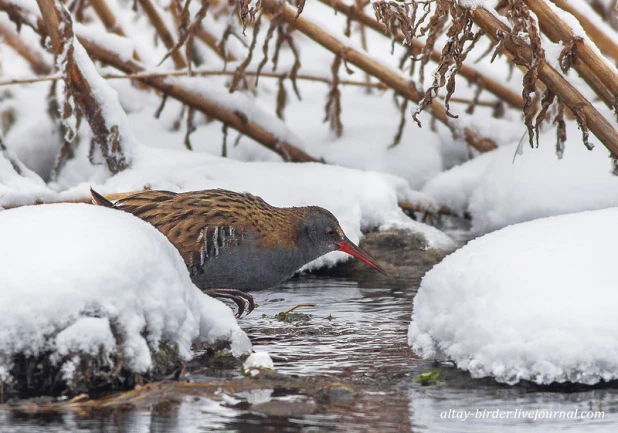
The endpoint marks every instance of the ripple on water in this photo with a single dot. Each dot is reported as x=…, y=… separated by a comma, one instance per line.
x=352, y=331
x=357, y=335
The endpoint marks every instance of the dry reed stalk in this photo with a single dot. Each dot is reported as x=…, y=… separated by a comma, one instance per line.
x=205, y=73
x=392, y=79
x=471, y=74
x=603, y=41
x=20, y=16
x=587, y=116
x=109, y=20
x=594, y=69
x=107, y=136
x=164, y=33
x=32, y=55
x=199, y=31
x=235, y=119
x=107, y=17
x=360, y=5
x=213, y=43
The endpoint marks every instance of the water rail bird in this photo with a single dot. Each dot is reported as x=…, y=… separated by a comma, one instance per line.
x=234, y=241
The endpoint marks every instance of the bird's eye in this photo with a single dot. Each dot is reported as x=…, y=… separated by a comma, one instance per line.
x=330, y=231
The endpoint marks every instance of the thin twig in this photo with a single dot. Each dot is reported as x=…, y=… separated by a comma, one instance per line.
x=392, y=78
x=164, y=33
x=587, y=115
x=198, y=72
x=601, y=39
x=471, y=74
x=32, y=55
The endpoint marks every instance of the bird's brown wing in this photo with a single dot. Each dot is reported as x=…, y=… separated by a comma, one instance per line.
x=200, y=224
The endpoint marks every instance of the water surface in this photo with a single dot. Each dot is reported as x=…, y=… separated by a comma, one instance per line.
x=348, y=334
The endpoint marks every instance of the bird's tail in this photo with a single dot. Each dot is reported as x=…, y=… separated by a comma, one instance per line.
x=99, y=200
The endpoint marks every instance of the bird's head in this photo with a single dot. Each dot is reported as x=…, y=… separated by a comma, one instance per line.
x=321, y=233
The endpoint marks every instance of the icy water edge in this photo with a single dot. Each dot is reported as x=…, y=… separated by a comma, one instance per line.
x=342, y=364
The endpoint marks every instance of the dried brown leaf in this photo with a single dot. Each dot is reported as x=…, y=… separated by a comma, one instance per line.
x=333, y=104
x=240, y=71
x=583, y=125
x=561, y=135
x=190, y=128
x=281, y=99
x=275, y=21
x=546, y=101
x=402, y=123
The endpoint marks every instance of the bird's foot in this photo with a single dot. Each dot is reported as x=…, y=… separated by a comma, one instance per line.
x=240, y=298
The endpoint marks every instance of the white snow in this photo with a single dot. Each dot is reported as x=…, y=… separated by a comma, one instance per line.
x=107, y=100
x=453, y=188
x=597, y=21
x=534, y=301
x=503, y=188
x=360, y=200
x=120, y=45
x=70, y=271
x=24, y=186
x=473, y=4
x=257, y=361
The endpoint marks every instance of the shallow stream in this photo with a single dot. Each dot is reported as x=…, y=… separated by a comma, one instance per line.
x=342, y=364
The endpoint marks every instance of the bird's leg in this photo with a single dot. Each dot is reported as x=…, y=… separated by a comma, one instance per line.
x=240, y=298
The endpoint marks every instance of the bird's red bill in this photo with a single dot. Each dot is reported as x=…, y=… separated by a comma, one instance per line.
x=353, y=250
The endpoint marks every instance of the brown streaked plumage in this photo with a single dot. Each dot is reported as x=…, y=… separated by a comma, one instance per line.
x=236, y=241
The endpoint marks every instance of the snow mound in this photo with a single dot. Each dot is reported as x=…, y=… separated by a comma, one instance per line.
x=82, y=279
x=501, y=188
x=18, y=184
x=535, y=301
x=257, y=361
x=360, y=200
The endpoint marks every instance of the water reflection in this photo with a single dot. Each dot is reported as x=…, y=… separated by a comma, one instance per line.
x=352, y=334
x=511, y=410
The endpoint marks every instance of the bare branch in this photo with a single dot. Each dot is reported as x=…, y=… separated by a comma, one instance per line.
x=588, y=116
x=391, y=78
x=471, y=74
x=107, y=135
x=164, y=33
x=600, y=76
x=32, y=55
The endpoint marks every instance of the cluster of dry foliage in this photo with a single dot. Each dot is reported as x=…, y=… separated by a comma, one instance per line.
x=546, y=96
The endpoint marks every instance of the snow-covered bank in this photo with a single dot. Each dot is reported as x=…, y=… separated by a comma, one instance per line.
x=534, y=301
x=502, y=188
x=361, y=200
x=83, y=281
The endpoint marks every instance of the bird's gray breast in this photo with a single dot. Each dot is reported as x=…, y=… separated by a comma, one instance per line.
x=233, y=259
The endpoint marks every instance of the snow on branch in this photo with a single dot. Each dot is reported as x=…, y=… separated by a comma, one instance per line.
x=87, y=92
x=594, y=69
x=395, y=80
x=394, y=30
x=246, y=119
x=32, y=55
x=522, y=43
x=602, y=34
x=224, y=109
x=588, y=117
